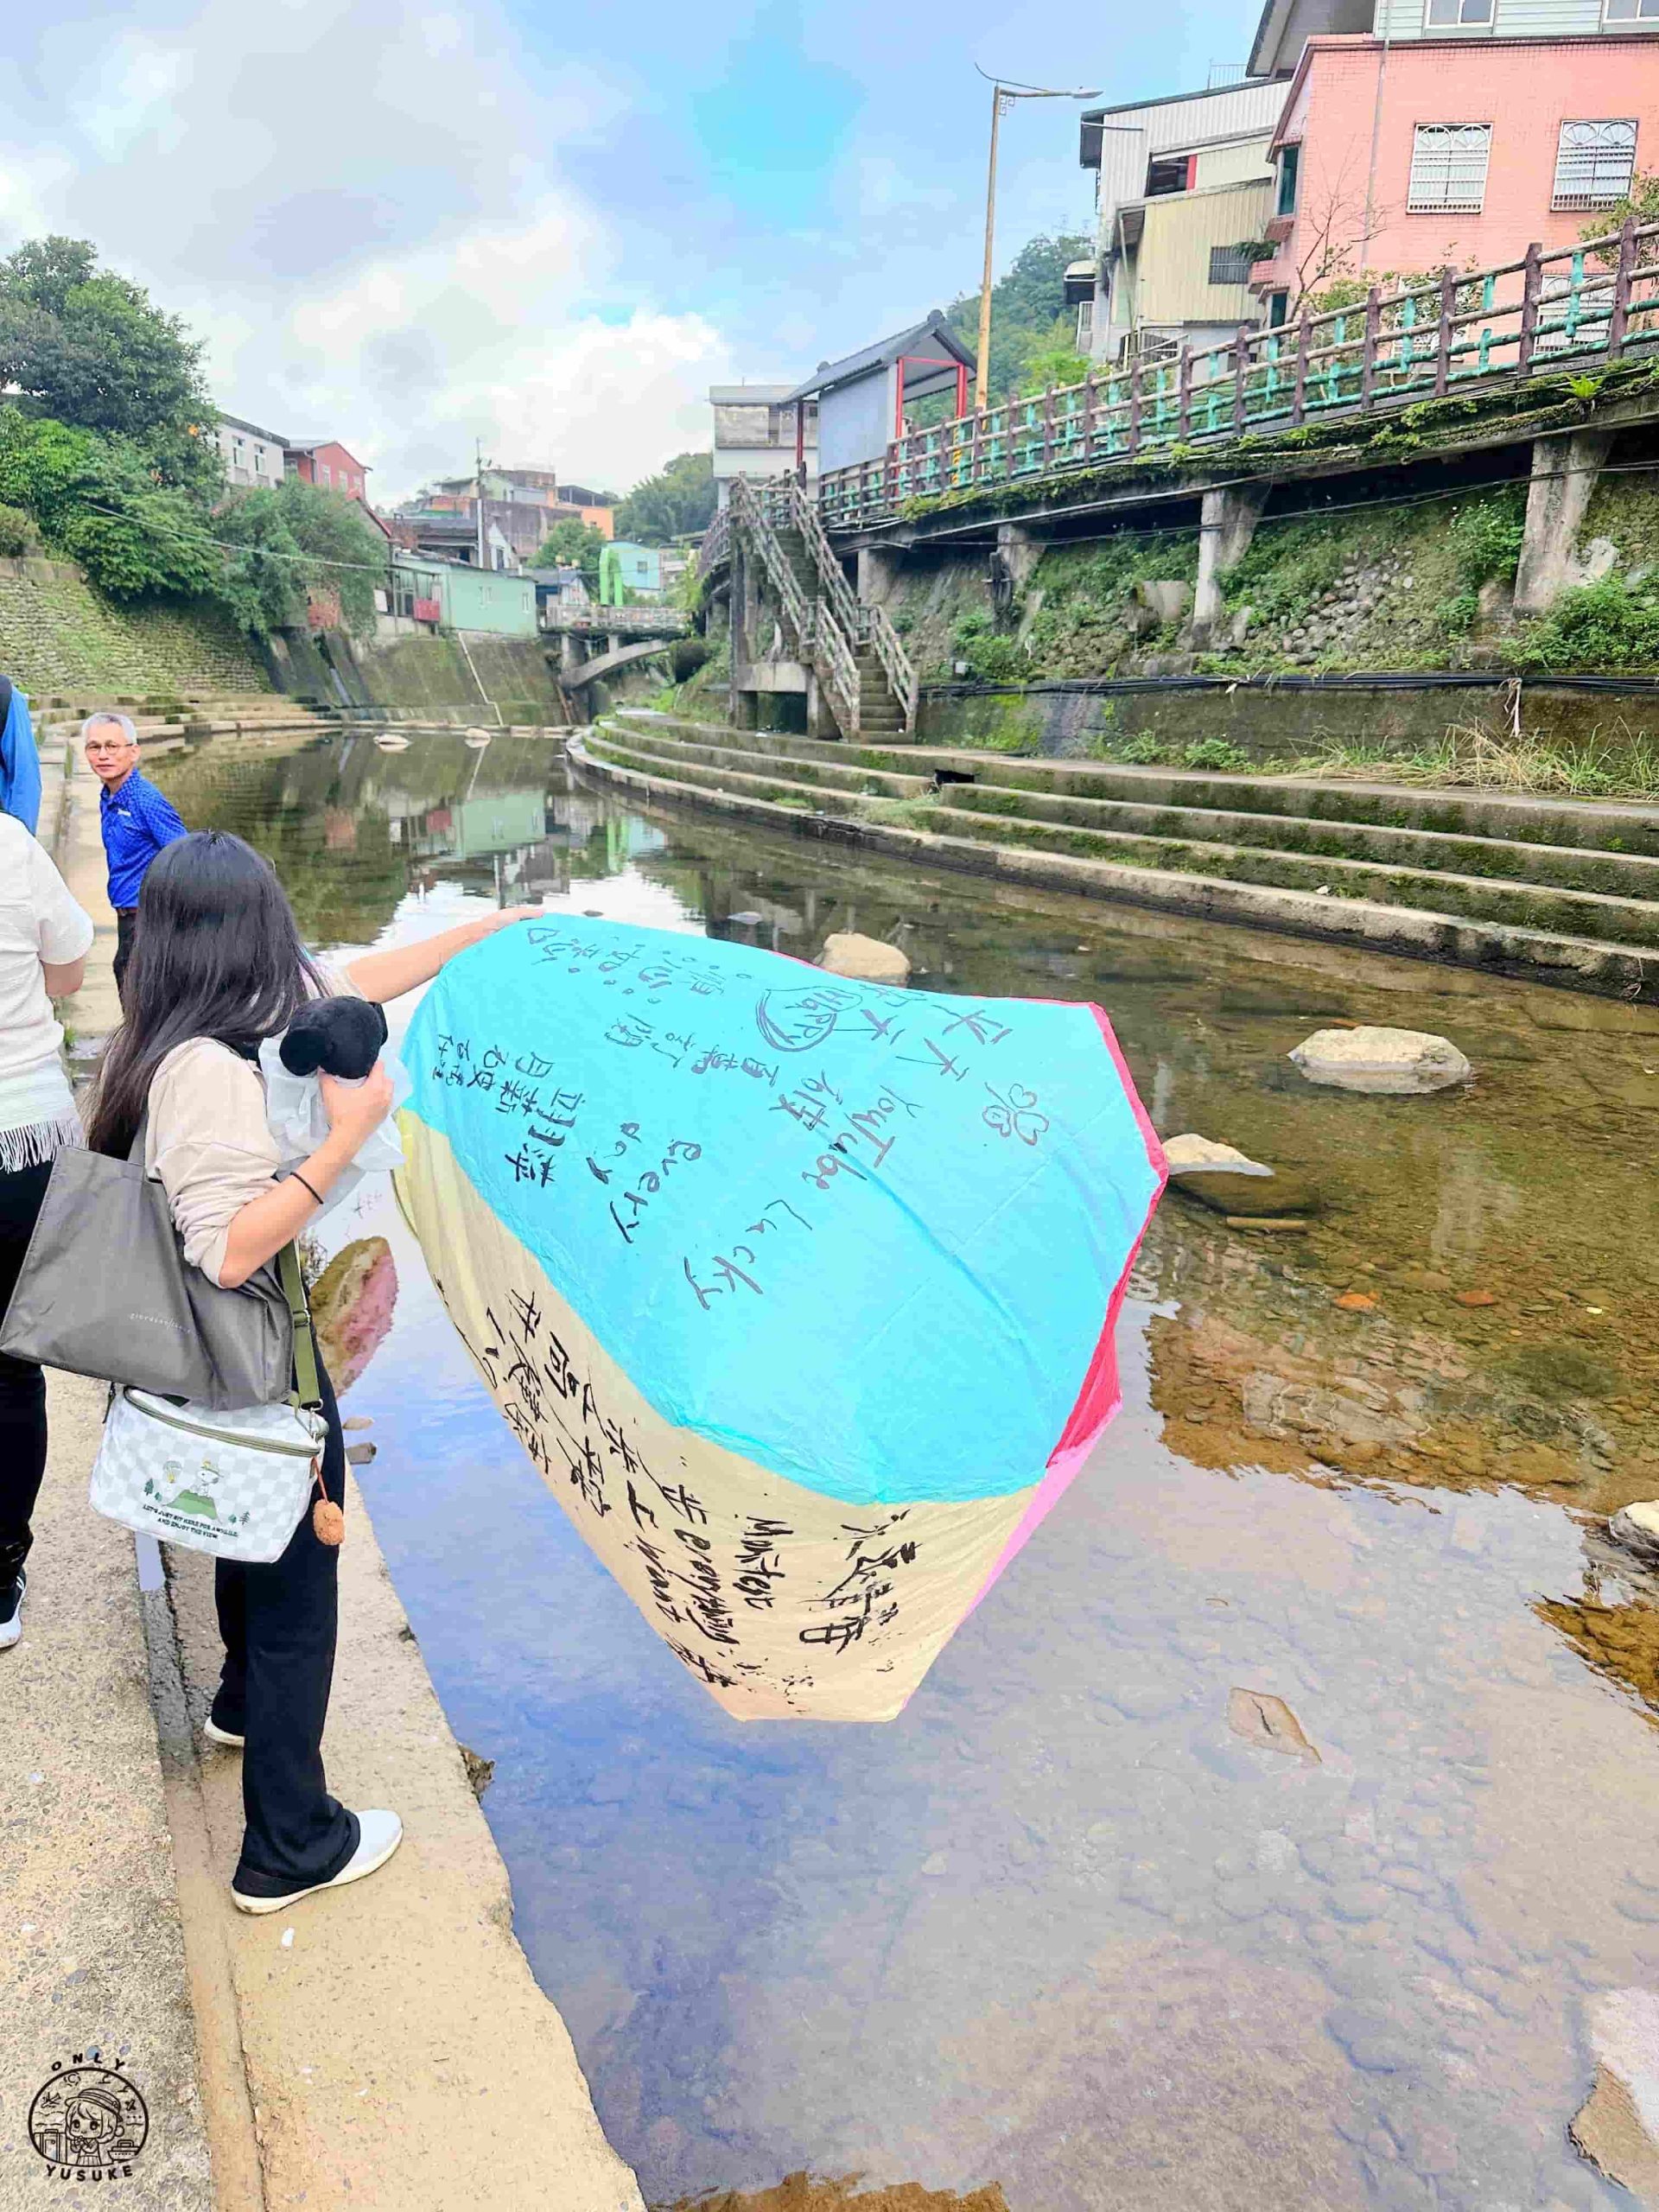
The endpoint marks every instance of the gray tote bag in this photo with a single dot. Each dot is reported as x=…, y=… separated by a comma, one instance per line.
x=105, y=1290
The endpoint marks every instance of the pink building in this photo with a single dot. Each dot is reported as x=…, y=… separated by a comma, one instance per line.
x=1452, y=141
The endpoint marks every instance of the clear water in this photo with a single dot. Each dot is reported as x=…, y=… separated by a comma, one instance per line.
x=1061, y=1935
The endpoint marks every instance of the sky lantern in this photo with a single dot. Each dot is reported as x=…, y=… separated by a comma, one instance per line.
x=800, y=1293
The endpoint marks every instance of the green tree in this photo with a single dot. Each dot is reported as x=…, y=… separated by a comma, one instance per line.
x=290, y=539
x=86, y=348
x=1058, y=363
x=571, y=543
x=1641, y=201
x=99, y=501
x=1026, y=305
x=674, y=503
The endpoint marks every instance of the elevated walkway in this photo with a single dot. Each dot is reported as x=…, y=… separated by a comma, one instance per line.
x=1564, y=891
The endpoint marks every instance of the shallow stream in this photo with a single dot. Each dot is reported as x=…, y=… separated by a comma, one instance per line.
x=1068, y=1935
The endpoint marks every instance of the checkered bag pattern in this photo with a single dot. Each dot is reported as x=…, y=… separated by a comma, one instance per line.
x=232, y=1483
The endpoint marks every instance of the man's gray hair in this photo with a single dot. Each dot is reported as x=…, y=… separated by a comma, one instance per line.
x=128, y=728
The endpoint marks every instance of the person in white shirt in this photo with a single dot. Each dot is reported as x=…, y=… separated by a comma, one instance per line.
x=44, y=941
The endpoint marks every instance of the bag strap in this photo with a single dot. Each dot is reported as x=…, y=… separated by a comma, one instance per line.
x=308, y=1386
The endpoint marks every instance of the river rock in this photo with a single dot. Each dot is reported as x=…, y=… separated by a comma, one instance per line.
x=865, y=959
x=1195, y=1155
x=1636, y=1527
x=1389, y=1062
x=1617, y=2127
x=1168, y=602
x=1262, y=1719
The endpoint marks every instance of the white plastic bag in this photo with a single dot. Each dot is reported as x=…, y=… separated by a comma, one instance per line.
x=295, y=1113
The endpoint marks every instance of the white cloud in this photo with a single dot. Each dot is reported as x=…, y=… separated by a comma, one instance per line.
x=363, y=212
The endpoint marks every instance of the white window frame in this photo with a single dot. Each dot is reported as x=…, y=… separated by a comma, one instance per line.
x=1429, y=137
x=1463, y=21
x=1596, y=181
x=1640, y=11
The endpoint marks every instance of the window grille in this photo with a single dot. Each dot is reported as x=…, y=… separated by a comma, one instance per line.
x=1448, y=166
x=1594, y=163
x=1229, y=266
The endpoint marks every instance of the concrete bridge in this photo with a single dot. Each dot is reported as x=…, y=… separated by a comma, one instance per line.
x=595, y=642
x=578, y=669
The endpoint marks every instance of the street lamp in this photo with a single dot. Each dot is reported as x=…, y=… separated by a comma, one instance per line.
x=1002, y=92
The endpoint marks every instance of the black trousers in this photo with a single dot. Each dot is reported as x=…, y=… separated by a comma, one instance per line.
x=279, y=1624
x=126, y=922
x=22, y=1387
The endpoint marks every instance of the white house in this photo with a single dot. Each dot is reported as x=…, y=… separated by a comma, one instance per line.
x=755, y=433
x=251, y=456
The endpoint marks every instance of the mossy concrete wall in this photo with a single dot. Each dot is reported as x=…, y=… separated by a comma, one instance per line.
x=1066, y=722
x=432, y=676
x=1412, y=568
x=59, y=634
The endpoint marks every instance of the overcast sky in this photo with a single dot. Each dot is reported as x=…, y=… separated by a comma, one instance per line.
x=550, y=227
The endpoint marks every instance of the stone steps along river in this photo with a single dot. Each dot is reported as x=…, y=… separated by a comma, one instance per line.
x=1565, y=890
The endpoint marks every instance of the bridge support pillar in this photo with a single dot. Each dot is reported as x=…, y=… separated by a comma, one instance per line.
x=1019, y=548
x=1015, y=555
x=1227, y=523
x=877, y=572
x=820, y=722
x=1564, y=476
x=743, y=622
x=572, y=654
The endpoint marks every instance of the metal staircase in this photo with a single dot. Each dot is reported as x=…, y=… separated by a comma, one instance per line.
x=867, y=678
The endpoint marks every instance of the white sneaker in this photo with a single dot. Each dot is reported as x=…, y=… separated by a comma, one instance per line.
x=215, y=1734
x=379, y=1835
x=11, y=1627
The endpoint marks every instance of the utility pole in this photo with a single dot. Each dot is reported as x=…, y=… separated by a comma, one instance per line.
x=1003, y=95
x=478, y=491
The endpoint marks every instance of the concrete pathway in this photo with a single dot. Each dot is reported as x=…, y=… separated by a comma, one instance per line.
x=397, y=2050
x=91, y=1953
x=94, y=1010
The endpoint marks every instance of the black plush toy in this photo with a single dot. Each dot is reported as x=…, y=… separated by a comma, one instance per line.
x=341, y=1037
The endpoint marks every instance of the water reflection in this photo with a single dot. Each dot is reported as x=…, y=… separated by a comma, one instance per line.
x=1062, y=1929
x=354, y=831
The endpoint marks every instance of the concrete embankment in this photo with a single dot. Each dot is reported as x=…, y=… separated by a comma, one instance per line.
x=1561, y=891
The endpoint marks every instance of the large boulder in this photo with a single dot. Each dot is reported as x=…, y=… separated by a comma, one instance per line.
x=1169, y=602
x=866, y=959
x=1390, y=1062
x=1228, y=1181
x=1195, y=1155
x=1617, y=2125
x=1636, y=1527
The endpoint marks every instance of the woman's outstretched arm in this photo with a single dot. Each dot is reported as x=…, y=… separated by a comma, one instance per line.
x=400, y=968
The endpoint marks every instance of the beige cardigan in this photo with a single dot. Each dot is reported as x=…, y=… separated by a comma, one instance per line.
x=208, y=1140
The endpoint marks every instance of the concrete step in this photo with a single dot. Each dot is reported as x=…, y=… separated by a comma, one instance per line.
x=1573, y=867
x=1628, y=970
x=1526, y=817
x=835, y=790
x=1531, y=901
x=742, y=754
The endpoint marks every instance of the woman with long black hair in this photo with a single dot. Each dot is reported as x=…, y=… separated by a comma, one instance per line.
x=44, y=940
x=217, y=967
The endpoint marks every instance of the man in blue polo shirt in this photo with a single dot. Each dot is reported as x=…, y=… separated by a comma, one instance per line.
x=136, y=821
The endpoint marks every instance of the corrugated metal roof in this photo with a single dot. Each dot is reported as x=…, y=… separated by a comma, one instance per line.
x=882, y=355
